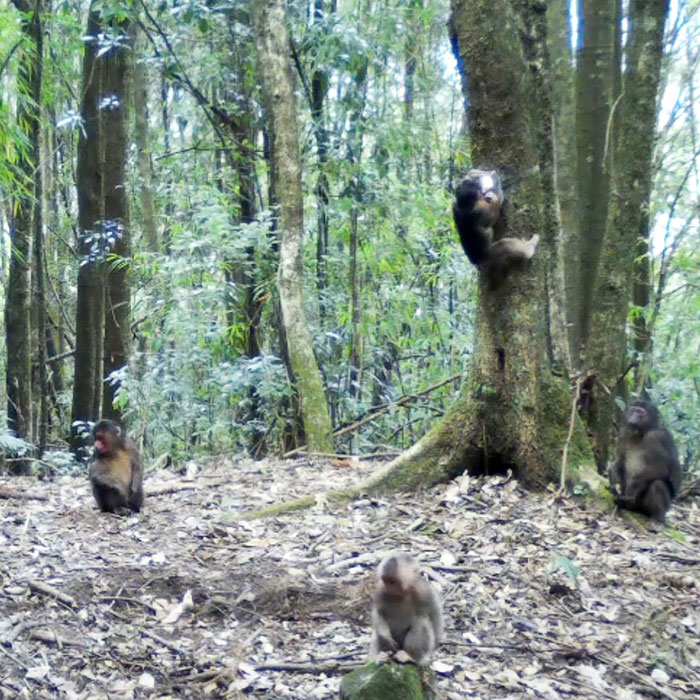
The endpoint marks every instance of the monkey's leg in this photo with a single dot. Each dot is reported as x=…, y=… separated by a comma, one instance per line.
x=420, y=640
x=656, y=500
x=109, y=498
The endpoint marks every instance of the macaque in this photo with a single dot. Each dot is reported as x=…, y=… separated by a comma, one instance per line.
x=477, y=210
x=115, y=470
x=647, y=474
x=406, y=612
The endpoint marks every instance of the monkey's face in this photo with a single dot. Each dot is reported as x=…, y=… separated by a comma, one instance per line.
x=107, y=437
x=639, y=418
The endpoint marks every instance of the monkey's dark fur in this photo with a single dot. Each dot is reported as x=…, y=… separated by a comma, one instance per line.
x=116, y=474
x=647, y=474
x=477, y=211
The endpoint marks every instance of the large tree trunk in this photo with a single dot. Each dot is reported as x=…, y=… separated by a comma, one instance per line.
x=272, y=40
x=632, y=179
x=87, y=386
x=18, y=295
x=511, y=413
x=117, y=327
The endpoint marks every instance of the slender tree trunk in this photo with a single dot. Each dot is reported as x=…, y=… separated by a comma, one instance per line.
x=87, y=386
x=356, y=98
x=538, y=58
x=594, y=88
x=272, y=40
x=319, y=88
x=18, y=296
x=562, y=85
x=117, y=327
x=144, y=165
x=607, y=354
x=39, y=272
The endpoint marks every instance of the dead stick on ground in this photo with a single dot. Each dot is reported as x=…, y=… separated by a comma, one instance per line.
x=46, y=589
x=310, y=668
x=156, y=638
x=8, y=494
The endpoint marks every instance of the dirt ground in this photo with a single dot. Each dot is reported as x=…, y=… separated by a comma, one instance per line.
x=544, y=597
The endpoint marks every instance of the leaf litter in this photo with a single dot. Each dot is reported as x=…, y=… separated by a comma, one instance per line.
x=544, y=596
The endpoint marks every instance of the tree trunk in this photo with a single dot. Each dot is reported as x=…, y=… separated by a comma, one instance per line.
x=18, y=296
x=511, y=413
x=87, y=386
x=144, y=166
x=607, y=346
x=319, y=88
x=39, y=272
x=117, y=326
x=594, y=84
x=272, y=40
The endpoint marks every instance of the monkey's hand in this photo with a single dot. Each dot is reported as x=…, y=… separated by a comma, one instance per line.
x=403, y=657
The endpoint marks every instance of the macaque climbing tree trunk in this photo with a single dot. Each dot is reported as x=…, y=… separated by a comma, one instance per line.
x=511, y=412
x=272, y=41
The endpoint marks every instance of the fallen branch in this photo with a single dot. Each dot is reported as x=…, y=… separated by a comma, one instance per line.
x=46, y=589
x=50, y=637
x=9, y=494
x=310, y=668
x=170, y=489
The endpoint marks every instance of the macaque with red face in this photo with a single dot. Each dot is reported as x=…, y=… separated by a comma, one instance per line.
x=406, y=612
x=647, y=474
x=116, y=474
x=477, y=213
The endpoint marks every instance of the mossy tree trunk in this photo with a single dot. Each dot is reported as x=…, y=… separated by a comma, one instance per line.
x=511, y=412
x=272, y=41
x=628, y=223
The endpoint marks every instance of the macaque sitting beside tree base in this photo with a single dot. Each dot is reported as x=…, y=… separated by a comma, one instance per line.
x=646, y=476
x=116, y=475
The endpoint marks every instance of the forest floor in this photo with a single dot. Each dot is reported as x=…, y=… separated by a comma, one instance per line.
x=544, y=597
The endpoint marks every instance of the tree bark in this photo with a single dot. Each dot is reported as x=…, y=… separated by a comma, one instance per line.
x=272, y=40
x=117, y=325
x=594, y=84
x=22, y=219
x=87, y=386
x=144, y=165
x=627, y=227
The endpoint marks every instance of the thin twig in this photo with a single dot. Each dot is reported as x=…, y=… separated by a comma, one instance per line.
x=572, y=421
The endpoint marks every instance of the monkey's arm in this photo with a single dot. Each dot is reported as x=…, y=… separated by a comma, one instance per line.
x=382, y=639
x=616, y=475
